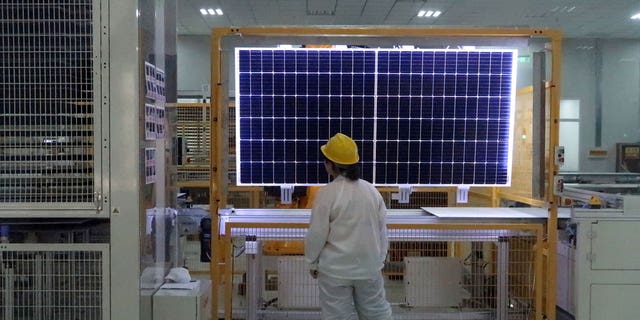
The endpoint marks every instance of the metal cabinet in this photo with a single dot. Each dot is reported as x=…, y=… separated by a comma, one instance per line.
x=607, y=269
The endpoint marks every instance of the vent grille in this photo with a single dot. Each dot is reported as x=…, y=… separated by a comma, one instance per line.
x=46, y=101
x=419, y=200
x=64, y=282
x=193, y=126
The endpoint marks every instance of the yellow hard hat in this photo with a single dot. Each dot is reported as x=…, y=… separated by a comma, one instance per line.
x=341, y=149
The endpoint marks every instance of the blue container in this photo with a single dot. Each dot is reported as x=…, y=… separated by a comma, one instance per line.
x=4, y=233
x=4, y=230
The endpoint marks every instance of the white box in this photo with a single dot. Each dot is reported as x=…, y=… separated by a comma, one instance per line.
x=433, y=281
x=172, y=304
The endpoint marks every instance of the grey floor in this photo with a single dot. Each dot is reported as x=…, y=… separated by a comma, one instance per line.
x=563, y=315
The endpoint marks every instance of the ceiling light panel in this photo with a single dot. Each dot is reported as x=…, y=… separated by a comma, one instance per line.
x=429, y=13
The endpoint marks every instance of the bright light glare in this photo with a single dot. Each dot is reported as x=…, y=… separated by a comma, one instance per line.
x=421, y=13
x=429, y=13
x=219, y=11
x=211, y=12
x=437, y=14
x=203, y=11
x=636, y=16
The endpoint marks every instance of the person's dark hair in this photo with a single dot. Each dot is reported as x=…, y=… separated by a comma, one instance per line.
x=350, y=171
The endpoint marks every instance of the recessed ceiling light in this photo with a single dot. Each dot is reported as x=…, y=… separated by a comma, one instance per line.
x=429, y=13
x=204, y=11
x=636, y=16
x=211, y=12
x=219, y=11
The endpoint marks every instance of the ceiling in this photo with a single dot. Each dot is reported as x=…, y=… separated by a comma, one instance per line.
x=576, y=18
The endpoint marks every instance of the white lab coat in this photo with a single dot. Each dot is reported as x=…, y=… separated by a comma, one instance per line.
x=347, y=237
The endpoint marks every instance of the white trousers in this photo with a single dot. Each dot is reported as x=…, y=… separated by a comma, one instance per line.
x=339, y=298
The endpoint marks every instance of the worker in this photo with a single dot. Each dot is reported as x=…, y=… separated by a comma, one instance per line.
x=347, y=243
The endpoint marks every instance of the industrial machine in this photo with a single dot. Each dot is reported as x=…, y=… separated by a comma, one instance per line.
x=194, y=238
x=425, y=275
x=599, y=266
x=84, y=158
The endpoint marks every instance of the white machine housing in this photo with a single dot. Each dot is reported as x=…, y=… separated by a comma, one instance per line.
x=600, y=279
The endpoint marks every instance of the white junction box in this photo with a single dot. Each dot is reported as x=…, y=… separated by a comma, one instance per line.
x=433, y=281
x=185, y=304
x=296, y=288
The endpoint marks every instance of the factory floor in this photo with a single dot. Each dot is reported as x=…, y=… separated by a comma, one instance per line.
x=563, y=315
x=395, y=290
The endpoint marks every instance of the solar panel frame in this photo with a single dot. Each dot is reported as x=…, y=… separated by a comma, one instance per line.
x=334, y=82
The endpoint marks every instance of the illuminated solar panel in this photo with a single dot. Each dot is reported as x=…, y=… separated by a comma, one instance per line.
x=419, y=117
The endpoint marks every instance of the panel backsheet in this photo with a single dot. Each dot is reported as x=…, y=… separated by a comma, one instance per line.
x=419, y=117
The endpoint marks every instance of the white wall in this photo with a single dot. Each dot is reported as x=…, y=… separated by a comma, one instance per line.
x=620, y=92
x=617, y=64
x=194, y=63
x=619, y=84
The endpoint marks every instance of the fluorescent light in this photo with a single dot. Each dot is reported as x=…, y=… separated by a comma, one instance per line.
x=219, y=11
x=636, y=16
x=429, y=13
x=204, y=11
x=211, y=12
x=571, y=9
x=285, y=46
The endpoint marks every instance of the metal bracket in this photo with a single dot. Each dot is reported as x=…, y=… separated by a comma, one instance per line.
x=558, y=185
x=559, y=156
x=286, y=193
x=251, y=245
x=97, y=198
x=462, y=194
x=405, y=192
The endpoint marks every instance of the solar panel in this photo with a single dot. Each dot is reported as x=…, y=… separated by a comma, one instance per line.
x=419, y=117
